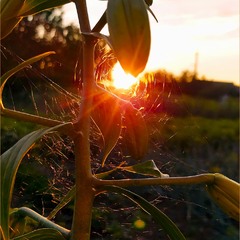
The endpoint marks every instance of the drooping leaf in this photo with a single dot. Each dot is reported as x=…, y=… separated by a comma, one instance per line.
x=8, y=74
x=22, y=65
x=161, y=218
x=136, y=132
x=31, y=7
x=10, y=161
x=41, y=234
x=107, y=116
x=148, y=168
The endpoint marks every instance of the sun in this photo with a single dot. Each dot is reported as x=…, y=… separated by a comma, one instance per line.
x=121, y=79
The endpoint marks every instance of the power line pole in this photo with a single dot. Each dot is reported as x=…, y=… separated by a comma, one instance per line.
x=195, y=72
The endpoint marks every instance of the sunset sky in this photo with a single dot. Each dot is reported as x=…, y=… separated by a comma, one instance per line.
x=208, y=27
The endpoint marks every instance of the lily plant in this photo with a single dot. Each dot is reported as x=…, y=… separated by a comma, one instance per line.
x=129, y=38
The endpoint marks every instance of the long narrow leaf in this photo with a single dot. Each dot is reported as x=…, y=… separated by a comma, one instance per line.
x=10, y=161
x=147, y=168
x=166, y=223
x=66, y=199
x=41, y=234
x=31, y=7
x=136, y=132
x=106, y=114
x=71, y=194
x=22, y=65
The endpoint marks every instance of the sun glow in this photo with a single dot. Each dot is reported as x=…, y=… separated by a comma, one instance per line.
x=121, y=79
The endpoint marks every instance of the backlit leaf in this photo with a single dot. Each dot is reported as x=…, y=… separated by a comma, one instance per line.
x=22, y=65
x=107, y=116
x=10, y=161
x=162, y=219
x=148, y=168
x=27, y=63
x=136, y=132
x=8, y=25
x=8, y=15
x=31, y=7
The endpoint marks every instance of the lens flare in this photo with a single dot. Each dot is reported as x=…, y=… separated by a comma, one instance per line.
x=121, y=79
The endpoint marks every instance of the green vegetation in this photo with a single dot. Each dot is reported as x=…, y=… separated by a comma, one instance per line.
x=72, y=160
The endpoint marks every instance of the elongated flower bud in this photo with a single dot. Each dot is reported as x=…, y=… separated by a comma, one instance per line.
x=129, y=30
x=225, y=192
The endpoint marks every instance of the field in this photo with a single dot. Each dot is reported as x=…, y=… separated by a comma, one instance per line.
x=203, y=138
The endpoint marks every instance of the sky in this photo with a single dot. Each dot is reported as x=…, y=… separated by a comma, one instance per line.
x=208, y=29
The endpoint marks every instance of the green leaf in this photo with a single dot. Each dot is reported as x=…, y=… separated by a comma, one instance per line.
x=17, y=224
x=27, y=63
x=103, y=175
x=65, y=200
x=9, y=9
x=166, y=223
x=10, y=161
x=107, y=116
x=71, y=193
x=8, y=25
x=31, y=7
x=22, y=65
x=41, y=234
x=136, y=132
x=148, y=168
x=1, y=234
x=8, y=14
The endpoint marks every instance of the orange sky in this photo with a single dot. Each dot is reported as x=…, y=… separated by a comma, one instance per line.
x=209, y=27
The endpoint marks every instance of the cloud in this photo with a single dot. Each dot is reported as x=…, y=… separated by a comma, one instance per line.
x=186, y=9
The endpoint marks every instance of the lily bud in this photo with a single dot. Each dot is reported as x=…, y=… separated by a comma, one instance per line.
x=129, y=30
x=225, y=192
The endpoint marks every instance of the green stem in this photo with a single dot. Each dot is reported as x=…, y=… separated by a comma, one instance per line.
x=101, y=23
x=81, y=226
x=188, y=180
x=44, y=222
x=83, y=18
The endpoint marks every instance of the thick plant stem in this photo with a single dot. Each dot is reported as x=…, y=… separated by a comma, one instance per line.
x=84, y=191
x=81, y=226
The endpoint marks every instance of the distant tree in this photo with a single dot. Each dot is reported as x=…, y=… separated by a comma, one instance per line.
x=40, y=33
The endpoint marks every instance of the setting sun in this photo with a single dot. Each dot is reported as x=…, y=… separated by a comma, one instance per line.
x=121, y=79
